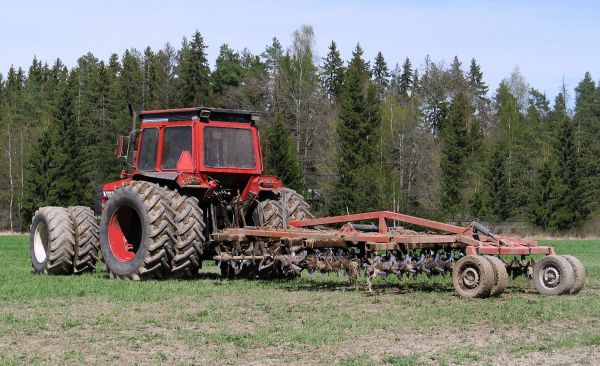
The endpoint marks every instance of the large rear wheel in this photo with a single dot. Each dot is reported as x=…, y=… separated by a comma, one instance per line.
x=52, y=241
x=87, y=241
x=137, y=232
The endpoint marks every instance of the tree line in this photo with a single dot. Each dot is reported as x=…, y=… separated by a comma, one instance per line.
x=355, y=135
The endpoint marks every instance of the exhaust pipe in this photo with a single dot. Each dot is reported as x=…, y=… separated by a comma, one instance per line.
x=130, y=151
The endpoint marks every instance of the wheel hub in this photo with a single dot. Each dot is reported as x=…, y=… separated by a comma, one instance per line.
x=40, y=242
x=470, y=277
x=550, y=276
x=124, y=233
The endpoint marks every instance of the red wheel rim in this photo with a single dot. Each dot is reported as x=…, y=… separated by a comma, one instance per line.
x=124, y=233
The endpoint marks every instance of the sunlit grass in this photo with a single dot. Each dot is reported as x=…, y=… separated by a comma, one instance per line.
x=310, y=320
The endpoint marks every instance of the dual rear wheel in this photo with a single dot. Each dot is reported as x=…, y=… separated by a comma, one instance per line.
x=149, y=231
x=63, y=241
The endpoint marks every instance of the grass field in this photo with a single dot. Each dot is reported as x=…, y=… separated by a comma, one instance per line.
x=322, y=320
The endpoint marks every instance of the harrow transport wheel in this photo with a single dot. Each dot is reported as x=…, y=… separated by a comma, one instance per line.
x=189, y=243
x=87, y=242
x=500, y=275
x=473, y=276
x=580, y=273
x=137, y=232
x=553, y=275
x=272, y=212
x=51, y=241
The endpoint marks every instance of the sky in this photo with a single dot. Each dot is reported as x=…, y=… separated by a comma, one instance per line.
x=549, y=41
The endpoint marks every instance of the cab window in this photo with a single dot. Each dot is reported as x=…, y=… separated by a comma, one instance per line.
x=175, y=141
x=148, y=146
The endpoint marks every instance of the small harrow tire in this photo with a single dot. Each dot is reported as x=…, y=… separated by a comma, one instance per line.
x=137, y=232
x=580, y=273
x=500, y=275
x=189, y=243
x=553, y=275
x=52, y=241
x=272, y=212
x=473, y=276
x=87, y=240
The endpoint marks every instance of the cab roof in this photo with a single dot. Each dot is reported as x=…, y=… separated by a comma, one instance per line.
x=201, y=114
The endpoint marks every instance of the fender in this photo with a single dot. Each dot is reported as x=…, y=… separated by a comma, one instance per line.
x=107, y=190
x=261, y=183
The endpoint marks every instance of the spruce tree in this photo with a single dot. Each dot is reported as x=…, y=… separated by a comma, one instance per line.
x=282, y=159
x=381, y=74
x=406, y=78
x=131, y=77
x=228, y=71
x=543, y=196
x=357, y=187
x=37, y=183
x=570, y=209
x=587, y=124
x=332, y=72
x=271, y=56
x=454, y=154
x=64, y=172
x=498, y=190
x=194, y=73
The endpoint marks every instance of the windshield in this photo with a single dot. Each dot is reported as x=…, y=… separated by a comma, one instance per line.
x=228, y=148
x=175, y=141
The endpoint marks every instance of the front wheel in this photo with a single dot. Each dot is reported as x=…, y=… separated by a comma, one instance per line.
x=277, y=212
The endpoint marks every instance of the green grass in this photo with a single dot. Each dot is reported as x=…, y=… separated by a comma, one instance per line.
x=92, y=319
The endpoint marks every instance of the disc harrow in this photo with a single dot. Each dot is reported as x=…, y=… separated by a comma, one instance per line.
x=344, y=245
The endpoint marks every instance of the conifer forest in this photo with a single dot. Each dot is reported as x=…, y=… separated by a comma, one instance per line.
x=424, y=137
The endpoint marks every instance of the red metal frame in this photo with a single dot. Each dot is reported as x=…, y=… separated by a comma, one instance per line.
x=388, y=238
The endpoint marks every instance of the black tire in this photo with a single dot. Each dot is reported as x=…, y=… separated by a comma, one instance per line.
x=272, y=212
x=51, y=241
x=87, y=239
x=189, y=244
x=473, y=276
x=553, y=275
x=500, y=275
x=580, y=273
x=139, y=244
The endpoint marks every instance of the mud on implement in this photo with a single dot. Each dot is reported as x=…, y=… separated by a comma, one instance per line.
x=195, y=191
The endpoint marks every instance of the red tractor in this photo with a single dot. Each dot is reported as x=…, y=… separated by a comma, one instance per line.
x=195, y=171
x=195, y=190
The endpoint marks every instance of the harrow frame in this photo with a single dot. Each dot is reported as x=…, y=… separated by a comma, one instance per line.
x=314, y=233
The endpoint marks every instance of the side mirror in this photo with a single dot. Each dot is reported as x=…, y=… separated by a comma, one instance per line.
x=130, y=154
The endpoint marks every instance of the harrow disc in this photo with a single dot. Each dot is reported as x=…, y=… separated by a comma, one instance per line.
x=473, y=276
x=553, y=275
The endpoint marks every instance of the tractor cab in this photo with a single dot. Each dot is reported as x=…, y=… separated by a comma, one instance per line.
x=206, y=150
x=199, y=140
